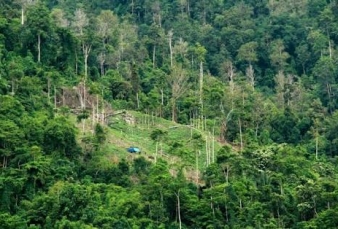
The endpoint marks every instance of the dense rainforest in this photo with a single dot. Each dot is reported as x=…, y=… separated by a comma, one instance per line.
x=259, y=76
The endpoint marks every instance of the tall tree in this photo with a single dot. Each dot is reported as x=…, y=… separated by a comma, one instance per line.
x=326, y=21
x=200, y=52
x=126, y=41
x=278, y=55
x=325, y=70
x=107, y=25
x=59, y=18
x=247, y=52
x=86, y=37
x=170, y=40
x=178, y=81
x=318, y=42
x=60, y=138
x=39, y=23
x=79, y=24
x=24, y=5
x=158, y=136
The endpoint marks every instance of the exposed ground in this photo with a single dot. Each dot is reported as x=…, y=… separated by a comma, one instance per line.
x=178, y=149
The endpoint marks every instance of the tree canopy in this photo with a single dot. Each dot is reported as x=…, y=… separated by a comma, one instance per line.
x=258, y=78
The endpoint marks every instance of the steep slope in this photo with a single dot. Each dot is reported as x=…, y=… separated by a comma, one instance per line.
x=182, y=146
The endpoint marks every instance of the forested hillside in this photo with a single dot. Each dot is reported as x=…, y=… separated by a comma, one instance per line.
x=245, y=92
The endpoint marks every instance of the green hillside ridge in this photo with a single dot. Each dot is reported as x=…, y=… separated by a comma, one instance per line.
x=234, y=105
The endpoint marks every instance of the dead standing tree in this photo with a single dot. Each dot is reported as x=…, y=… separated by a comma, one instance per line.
x=107, y=25
x=229, y=75
x=80, y=24
x=75, y=100
x=170, y=40
x=24, y=5
x=178, y=81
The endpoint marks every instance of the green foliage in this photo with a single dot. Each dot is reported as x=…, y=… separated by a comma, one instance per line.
x=269, y=99
x=83, y=115
x=12, y=222
x=100, y=135
x=284, y=128
x=158, y=135
x=59, y=138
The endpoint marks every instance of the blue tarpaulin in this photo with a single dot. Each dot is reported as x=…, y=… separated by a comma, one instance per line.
x=133, y=150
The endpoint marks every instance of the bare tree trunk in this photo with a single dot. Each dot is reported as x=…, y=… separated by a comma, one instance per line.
x=4, y=162
x=76, y=66
x=103, y=111
x=251, y=76
x=39, y=48
x=240, y=133
x=197, y=178
x=93, y=116
x=182, y=10
x=54, y=97
x=84, y=94
x=330, y=48
x=201, y=87
x=329, y=89
x=204, y=13
x=80, y=94
x=137, y=101
x=188, y=7
x=154, y=55
x=156, y=152
x=206, y=151
x=97, y=109
x=102, y=61
x=22, y=16
x=330, y=45
x=170, y=37
x=179, y=208
x=63, y=97
x=162, y=97
x=213, y=145
x=280, y=81
x=212, y=207
x=86, y=50
x=173, y=110
x=210, y=148
x=231, y=74
x=316, y=145
x=160, y=20
x=13, y=86
x=48, y=89
x=178, y=81
x=256, y=129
